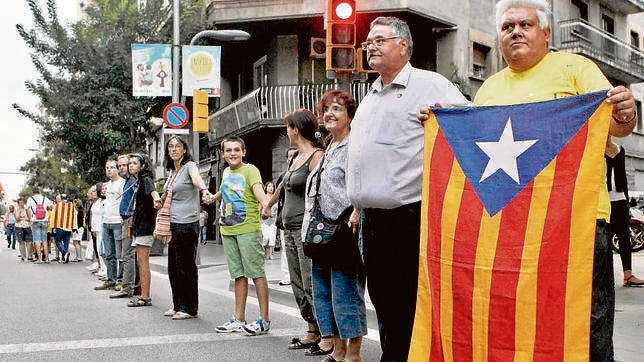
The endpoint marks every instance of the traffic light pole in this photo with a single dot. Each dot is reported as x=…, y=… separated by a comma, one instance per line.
x=343, y=81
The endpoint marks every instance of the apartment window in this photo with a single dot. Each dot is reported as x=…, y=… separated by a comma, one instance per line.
x=639, y=127
x=608, y=26
x=580, y=9
x=480, y=67
x=260, y=72
x=635, y=40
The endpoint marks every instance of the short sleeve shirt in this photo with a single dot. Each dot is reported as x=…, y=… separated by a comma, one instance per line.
x=239, y=213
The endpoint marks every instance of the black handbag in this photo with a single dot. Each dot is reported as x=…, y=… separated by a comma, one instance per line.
x=330, y=241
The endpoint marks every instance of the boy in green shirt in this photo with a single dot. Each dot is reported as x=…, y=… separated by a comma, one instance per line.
x=242, y=195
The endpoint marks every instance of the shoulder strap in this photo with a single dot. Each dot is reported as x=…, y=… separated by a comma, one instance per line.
x=318, y=176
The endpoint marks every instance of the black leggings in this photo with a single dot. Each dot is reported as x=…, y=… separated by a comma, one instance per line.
x=619, y=218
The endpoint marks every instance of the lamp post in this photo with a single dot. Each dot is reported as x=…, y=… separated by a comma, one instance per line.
x=221, y=35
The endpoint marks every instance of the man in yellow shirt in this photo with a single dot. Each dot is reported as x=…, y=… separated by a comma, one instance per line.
x=534, y=74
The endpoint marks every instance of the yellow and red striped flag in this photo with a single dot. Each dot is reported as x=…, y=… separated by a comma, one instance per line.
x=510, y=198
x=64, y=214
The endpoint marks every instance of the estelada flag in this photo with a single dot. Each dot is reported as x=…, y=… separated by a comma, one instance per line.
x=510, y=198
x=64, y=216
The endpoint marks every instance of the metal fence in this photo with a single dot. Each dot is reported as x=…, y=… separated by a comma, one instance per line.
x=582, y=37
x=272, y=103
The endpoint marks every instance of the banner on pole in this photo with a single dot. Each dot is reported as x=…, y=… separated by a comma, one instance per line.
x=201, y=70
x=151, y=70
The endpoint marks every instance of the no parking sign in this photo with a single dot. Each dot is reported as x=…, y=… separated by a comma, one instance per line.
x=176, y=115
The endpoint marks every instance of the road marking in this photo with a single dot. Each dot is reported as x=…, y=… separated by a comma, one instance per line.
x=372, y=334
x=142, y=341
x=135, y=341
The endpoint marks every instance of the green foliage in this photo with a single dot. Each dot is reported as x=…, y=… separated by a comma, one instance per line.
x=53, y=175
x=87, y=112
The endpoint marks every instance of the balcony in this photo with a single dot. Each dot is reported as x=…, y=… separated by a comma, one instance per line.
x=267, y=106
x=617, y=59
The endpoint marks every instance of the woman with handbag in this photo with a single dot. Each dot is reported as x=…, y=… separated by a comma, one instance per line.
x=338, y=272
x=301, y=127
x=178, y=226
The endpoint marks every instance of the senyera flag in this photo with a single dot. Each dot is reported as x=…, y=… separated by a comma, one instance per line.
x=510, y=199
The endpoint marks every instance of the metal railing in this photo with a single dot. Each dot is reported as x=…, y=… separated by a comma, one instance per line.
x=272, y=103
x=579, y=36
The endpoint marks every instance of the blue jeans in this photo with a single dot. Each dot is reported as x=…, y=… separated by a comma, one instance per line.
x=39, y=231
x=111, y=233
x=11, y=236
x=338, y=296
x=182, y=267
x=61, y=237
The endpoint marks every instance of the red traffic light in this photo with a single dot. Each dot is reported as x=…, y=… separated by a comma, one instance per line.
x=343, y=10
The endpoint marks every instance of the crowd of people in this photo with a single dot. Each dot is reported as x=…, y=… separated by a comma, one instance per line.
x=366, y=173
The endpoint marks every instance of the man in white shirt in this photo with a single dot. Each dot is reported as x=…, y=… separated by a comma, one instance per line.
x=112, y=223
x=39, y=224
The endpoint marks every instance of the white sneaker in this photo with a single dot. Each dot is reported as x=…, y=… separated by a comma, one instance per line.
x=233, y=325
x=260, y=326
x=93, y=266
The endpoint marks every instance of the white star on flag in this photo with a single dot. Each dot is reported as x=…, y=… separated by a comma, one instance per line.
x=503, y=154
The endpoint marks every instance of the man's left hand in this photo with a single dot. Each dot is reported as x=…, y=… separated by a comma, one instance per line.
x=623, y=103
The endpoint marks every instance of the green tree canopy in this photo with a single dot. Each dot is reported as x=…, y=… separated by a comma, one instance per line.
x=87, y=112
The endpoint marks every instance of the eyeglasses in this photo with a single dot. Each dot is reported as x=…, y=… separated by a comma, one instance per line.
x=378, y=42
x=334, y=109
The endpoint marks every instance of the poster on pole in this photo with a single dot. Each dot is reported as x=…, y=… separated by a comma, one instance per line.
x=201, y=70
x=151, y=70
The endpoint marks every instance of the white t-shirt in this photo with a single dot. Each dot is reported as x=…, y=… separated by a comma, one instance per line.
x=113, y=201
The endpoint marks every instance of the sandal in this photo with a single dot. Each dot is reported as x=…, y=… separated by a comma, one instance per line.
x=140, y=302
x=316, y=350
x=632, y=283
x=330, y=358
x=296, y=343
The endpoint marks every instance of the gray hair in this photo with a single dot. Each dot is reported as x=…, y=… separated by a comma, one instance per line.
x=541, y=6
x=400, y=27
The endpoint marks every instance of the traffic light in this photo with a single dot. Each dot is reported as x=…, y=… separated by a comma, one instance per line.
x=199, y=111
x=341, y=35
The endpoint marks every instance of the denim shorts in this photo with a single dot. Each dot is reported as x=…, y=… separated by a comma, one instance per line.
x=245, y=255
x=39, y=231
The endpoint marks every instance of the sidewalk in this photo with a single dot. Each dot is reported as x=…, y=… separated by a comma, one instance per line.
x=211, y=256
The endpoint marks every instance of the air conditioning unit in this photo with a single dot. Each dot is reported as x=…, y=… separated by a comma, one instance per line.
x=318, y=48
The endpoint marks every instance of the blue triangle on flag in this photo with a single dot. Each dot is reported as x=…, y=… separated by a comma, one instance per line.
x=547, y=125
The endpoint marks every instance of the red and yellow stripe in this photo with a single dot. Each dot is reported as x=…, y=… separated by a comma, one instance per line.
x=64, y=214
x=515, y=286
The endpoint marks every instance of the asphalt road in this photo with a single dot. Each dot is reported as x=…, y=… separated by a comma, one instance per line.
x=51, y=312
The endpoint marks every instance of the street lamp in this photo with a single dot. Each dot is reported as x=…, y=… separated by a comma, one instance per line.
x=223, y=35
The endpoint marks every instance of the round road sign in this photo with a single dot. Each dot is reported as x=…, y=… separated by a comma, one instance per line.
x=176, y=115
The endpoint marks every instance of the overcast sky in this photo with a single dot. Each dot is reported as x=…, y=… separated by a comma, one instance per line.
x=18, y=134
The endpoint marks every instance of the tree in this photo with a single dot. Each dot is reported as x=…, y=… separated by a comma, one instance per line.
x=61, y=176
x=87, y=111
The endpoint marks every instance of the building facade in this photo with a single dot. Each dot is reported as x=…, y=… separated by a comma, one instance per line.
x=282, y=68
